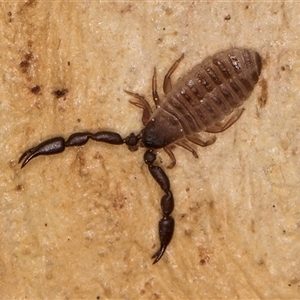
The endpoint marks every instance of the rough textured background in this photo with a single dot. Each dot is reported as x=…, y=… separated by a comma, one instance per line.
x=83, y=224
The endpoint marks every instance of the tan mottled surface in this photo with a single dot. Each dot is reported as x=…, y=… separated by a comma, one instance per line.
x=83, y=224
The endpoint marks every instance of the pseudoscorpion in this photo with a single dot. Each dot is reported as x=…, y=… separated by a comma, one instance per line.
x=209, y=93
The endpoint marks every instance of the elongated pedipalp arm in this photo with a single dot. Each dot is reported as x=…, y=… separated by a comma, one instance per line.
x=58, y=144
x=166, y=223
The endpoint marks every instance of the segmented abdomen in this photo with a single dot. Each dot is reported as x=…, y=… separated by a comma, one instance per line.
x=213, y=88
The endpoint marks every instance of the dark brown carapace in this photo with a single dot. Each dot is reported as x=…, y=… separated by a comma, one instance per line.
x=208, y=94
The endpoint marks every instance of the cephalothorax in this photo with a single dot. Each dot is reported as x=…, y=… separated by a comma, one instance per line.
x=199, y=101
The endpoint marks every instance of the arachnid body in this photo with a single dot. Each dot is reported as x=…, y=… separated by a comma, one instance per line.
x=210, y=92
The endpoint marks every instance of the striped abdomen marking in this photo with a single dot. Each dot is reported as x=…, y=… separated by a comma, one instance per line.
x=213, y=89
